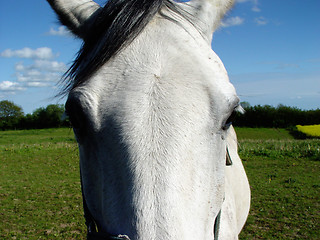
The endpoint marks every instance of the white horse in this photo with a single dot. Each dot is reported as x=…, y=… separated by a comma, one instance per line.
x=150, y=104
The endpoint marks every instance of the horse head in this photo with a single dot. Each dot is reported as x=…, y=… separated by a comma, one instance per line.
x=150, y=104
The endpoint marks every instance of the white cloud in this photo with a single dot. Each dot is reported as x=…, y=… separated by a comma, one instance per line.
x=36, y=76
x=42, y=69
x=39, y=53
x=50, y=66
x=255, y=9
x=232, y=21
x=38, y=84
x=261, y=21
x=43, y=65
x=255, y=4
x=7, y=86
x=62, y=31
x=19, y=66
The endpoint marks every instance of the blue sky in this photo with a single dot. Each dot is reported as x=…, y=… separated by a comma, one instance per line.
x=270, y=48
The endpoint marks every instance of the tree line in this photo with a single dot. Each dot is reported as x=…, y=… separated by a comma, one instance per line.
x=52, y=116
x=275, y=117
x=13, y=117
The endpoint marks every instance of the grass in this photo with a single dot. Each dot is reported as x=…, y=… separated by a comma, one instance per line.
x=36, y=136
x=40, y=195
x=284, y=180
x=263, y=133
x=285, y=185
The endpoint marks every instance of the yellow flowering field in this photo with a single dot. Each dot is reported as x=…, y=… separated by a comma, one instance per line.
x=311, y=130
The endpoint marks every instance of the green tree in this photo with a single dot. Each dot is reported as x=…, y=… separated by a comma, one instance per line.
x=10, y=115
x=49, y=117
x=245, y=105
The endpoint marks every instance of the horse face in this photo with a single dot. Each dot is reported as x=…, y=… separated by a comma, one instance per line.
x=151, y=141
x=151, y=125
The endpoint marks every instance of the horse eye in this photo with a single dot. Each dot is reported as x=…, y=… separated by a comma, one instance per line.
x=229, y=121
x=76, y=114
x=231, y=118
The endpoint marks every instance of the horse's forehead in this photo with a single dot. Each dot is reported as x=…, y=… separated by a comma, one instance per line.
x=169, y=52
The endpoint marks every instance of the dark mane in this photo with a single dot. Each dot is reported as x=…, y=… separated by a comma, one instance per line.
x=117, y=24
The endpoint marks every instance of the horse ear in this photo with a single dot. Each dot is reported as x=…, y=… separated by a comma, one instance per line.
x=207, y=14
x=75, y=14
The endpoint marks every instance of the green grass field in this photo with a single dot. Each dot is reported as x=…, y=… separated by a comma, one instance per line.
x=285, y=184
x=40, y=194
